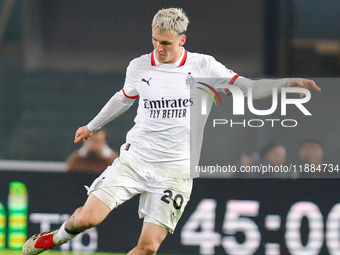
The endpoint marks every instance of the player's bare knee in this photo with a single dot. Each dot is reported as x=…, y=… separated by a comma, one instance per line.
x=148, y=249
x=86, y=220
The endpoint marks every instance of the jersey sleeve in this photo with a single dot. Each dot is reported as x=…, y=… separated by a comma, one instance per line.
x=223, y=76
x=260, y=88
x=220, y=74
x=129, y=89
x=117, y=105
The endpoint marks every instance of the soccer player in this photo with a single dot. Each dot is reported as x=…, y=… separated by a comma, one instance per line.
x=155, y=160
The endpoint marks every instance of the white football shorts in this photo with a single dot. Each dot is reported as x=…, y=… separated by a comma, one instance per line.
x=162, y=200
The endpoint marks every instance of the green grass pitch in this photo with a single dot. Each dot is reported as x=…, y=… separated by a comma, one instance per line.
x=9, y=252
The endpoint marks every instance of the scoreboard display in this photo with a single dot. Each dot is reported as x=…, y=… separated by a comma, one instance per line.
x=224, y=216
x=264, y=216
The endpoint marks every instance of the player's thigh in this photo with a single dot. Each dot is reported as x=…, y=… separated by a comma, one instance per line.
x=117, y=184
x=165, y=206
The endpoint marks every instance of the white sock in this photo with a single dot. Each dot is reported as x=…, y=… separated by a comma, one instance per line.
x=62, y=236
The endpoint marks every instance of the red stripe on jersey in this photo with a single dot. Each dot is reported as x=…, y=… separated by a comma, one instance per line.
x=232, y=82
x=233, y=79
x=153, y=62
x=131, y=97
x=184, y=58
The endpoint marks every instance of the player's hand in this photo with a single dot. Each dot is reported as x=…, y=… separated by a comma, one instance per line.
x=302, y=83
x=82, y=134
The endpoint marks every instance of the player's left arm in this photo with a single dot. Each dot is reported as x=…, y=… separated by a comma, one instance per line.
x=263, y=88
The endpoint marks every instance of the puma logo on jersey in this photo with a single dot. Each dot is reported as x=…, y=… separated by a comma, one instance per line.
x=147, y=81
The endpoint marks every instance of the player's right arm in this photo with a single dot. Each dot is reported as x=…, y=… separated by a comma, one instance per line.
x=117, y=105
x=82, y=134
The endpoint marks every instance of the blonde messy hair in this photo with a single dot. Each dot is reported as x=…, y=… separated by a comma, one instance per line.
x=171, y=20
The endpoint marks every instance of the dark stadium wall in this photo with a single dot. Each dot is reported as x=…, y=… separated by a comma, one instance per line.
x=79, y=50
x=105, y=36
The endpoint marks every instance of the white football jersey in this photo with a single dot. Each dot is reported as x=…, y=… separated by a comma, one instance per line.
x=162, y=130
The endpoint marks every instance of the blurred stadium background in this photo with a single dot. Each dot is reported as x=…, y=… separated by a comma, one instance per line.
x=61, y=60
